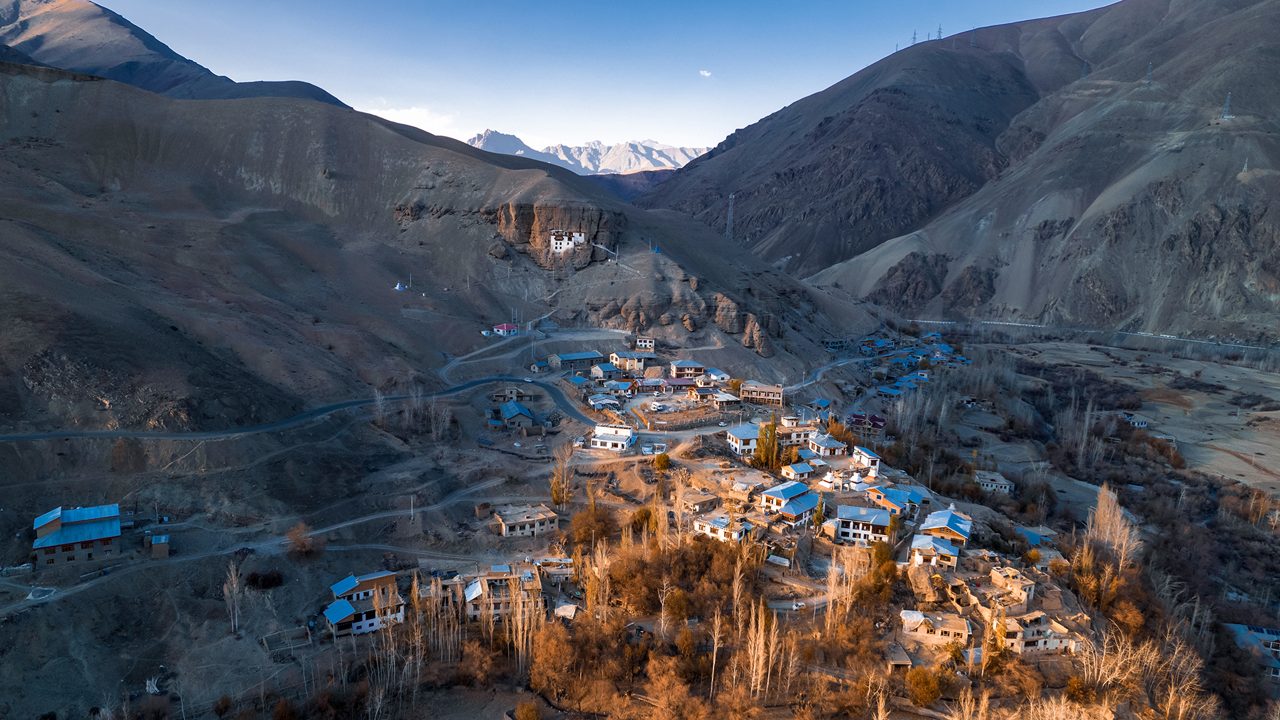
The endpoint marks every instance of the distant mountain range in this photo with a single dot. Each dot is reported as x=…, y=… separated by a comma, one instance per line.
x=594, y=158
x=80, y=36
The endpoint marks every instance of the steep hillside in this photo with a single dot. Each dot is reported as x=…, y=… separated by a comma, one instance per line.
x=9, y=55
x=881, y=152
x=594, y=157
x=630, y=186
x=259, y=240
x=1126, y=203
x=83, y=37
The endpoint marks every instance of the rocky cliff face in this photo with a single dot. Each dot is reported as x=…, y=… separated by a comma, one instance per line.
x=527, y=227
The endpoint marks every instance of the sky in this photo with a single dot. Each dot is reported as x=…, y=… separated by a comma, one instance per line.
x=563, y=71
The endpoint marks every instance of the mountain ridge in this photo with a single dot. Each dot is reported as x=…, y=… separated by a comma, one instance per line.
x=595, y=157
x=84, y=37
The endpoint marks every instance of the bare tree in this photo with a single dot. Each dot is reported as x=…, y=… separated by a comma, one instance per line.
x=232, y=594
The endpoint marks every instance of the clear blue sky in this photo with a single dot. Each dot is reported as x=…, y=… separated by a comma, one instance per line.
x=684, y=73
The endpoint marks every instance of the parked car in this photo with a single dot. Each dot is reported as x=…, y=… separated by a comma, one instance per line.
x=579, y=441
x=646, y=449
x=723, y=424
x=797, y=605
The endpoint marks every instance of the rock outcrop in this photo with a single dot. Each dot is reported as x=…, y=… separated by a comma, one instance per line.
x=528, y=227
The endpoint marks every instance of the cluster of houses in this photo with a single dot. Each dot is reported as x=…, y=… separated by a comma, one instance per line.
x=367, y=603
x=906, y=369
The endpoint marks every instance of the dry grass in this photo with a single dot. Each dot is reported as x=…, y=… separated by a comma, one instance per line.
x=1167, y=396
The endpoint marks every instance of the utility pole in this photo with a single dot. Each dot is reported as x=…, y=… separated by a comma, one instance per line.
x=728, y=225
x=913, y=37
x=939, y=31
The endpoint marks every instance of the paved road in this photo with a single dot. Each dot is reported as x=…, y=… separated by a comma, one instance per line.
x=304, y=418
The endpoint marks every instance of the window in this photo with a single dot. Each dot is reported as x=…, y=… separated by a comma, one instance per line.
x=86, y=545
x=68, y=548
x=50, y=551
x=106, y=542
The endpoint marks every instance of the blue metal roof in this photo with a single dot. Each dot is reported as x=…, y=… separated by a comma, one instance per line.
x=949, y=519
x=933, y=544
x=744, y=432
x=787, y=490
x=821, y=402
x=686, y=364
x=80, y=532
x=607, y=367
x=633, y=355
x=578, y=380
x=511, y=409
x=47, y=518
x=866, y=451
x=338, y=611
x=88, y=514
x=501, y=568
x=855, y=513
x=827, y=441
x=801, y=505
x=800, y=468
x=160, y=540
x=590, y=355
x=344, y=586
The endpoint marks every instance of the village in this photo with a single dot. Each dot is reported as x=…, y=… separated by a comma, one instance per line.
x=892, y=501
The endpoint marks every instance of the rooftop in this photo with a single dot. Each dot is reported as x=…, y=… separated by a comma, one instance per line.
x=950, y=519
x=930, y=545
x=787, y=490
x=854, y=513
x=511, y=409
x=800, y=505
x=588, y=355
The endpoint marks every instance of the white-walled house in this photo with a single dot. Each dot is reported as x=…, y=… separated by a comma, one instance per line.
x=563, y=242
x=866, y=458
x=364, y=604
x=993, y=482
x=862, y=524
x=723, y=528
x=618, y=438
x=934, y=552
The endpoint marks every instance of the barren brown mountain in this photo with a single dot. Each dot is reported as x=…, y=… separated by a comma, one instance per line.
x=1030, y=171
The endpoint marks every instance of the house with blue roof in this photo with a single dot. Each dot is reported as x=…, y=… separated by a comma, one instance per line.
x=798, y=471
x=949, y=524
x=893, y=499
x=774, y=498
x=515, y=415
x=574, y=360
x=687, y=369
x=799, y=509
x=605, y=371
x=76, y=535
x=364, y=604
x=826, y=446
x=934, y=551
x=855, y=524
x=742, y=438
x=866, y=458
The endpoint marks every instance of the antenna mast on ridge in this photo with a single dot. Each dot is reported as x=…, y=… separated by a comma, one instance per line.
x=1226, y=109
x=728, y=225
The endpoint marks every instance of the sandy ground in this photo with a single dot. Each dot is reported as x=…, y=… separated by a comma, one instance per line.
x=1215, y=436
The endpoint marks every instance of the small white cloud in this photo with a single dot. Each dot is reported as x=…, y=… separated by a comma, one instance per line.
x=419, y=117
x=704, y=73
